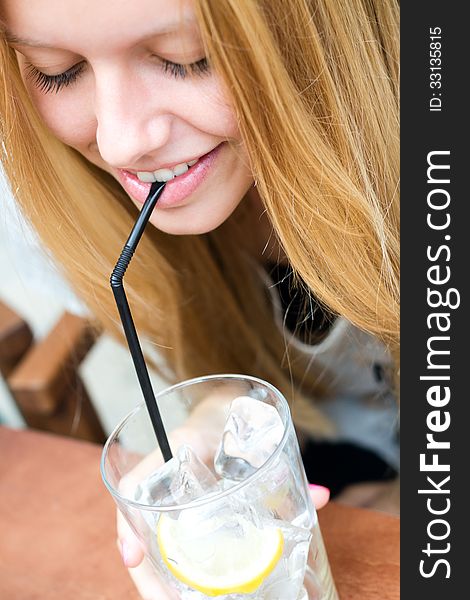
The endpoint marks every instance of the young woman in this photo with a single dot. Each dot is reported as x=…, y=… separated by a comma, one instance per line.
x=274, y=249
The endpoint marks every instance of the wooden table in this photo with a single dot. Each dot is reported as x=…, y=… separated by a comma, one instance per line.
x=57, y=536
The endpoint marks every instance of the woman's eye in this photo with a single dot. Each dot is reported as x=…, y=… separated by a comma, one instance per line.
x=199, y=67
x=54, y=83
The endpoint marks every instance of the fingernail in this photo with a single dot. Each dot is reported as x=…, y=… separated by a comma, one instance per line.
x=314, y=486
x=125, y=553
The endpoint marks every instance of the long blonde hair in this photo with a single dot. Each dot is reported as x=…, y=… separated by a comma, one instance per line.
x=315, y=89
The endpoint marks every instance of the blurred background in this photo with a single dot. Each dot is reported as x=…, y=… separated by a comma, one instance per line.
x=34, y=296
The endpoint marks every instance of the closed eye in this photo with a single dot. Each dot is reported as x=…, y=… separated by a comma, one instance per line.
x=54, y=83
x=178, y=70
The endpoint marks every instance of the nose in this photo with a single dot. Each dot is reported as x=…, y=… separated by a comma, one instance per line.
x=132, y=121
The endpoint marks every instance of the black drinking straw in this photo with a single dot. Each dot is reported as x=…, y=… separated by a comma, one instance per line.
x=126, y=317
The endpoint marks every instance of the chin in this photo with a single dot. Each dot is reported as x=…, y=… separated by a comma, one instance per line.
x=186, y=220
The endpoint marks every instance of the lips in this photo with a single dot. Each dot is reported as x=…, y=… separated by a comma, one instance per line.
x=176, y=190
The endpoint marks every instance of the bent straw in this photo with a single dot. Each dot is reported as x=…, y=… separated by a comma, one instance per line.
x=128, y=323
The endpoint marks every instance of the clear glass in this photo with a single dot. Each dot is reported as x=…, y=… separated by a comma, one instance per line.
x=274, y=495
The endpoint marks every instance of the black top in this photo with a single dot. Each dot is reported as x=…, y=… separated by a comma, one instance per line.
x=304, y=316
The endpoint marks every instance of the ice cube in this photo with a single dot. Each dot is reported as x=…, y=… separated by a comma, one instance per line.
x=252, y=432
x=202, y=528
x=287, y=578
x=180, y=480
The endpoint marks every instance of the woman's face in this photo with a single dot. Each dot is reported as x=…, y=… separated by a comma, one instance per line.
x=126, y=84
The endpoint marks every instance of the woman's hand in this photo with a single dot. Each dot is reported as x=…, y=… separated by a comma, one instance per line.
x=202, y=431
x=143, y=574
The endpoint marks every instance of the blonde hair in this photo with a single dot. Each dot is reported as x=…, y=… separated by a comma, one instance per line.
x=315, y=89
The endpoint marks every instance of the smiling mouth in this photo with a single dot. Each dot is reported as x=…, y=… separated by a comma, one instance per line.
x=182, y=179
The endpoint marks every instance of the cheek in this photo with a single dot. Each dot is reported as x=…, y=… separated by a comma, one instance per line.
x=67, y=118
x=213, y=112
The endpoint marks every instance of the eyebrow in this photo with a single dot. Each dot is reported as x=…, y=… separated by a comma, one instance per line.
x=12, y=38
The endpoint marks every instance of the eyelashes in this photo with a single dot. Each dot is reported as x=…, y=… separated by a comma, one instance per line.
x=199, y=67
x=54, y=83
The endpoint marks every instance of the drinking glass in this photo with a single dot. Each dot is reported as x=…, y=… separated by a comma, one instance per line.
x=214, y=521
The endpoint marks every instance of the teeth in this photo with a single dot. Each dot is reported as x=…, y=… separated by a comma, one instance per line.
x=146, y=177
x=180, y=169
x=165, y=174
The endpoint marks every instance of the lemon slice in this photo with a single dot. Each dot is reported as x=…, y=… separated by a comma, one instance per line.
x=222, y=563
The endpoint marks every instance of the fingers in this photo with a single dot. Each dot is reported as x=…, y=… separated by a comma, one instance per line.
x=128, y=545
x=147, y=582
x=320, y=495
x=149, y=585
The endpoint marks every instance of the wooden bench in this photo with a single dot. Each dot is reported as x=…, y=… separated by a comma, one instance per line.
x=43, y=377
